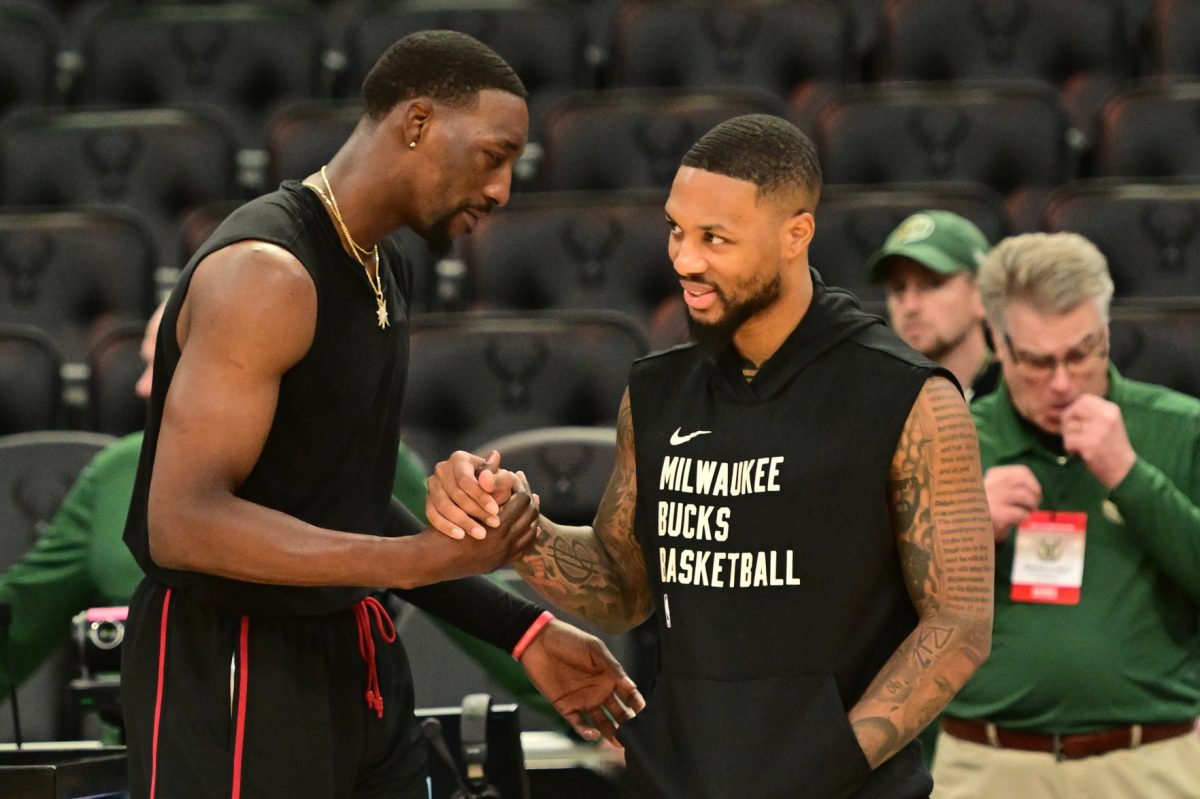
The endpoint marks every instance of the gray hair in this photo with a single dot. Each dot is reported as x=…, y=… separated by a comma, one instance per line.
x=1051, y=272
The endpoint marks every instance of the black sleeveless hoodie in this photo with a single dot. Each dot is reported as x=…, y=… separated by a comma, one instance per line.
x=762, y=514
x=330, y=455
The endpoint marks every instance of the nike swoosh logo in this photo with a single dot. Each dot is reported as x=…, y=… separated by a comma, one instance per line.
x=677, y=439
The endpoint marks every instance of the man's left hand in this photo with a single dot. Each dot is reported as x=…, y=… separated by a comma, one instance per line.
x=582, y=679
x=1093, y=429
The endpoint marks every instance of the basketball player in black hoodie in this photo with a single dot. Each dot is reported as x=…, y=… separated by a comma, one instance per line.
x=797, y=497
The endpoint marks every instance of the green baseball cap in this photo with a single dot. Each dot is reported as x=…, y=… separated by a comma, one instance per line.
x=938, y=240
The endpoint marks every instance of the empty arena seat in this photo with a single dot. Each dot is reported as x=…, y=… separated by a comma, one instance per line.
x=1150, y=233
x=474, y=377
x=302, y=136
x=797, y=50
x=1158, y=345
x=36, y=471
x=159, y=162
x=114, y=366
x=1011, y=137
x=1078, y=46
x=31, y=396
x=573, y=250
x=242, y=59
x=1150, y=130
x=1176, y=25
x=634, y=138
x=29, y=44
x=73, y=273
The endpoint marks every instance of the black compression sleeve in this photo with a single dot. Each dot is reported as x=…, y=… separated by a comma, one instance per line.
x=475, y=605
x=478, y=607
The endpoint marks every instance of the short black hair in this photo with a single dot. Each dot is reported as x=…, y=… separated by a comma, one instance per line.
x=448, y=66
x=765, y=150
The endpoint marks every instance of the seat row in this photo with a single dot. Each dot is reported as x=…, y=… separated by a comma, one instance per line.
x=248, y=58
x=512, y=372
x=1011, y=138
x=73, y=272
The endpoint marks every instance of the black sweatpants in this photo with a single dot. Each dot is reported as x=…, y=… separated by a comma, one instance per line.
x=261, y=706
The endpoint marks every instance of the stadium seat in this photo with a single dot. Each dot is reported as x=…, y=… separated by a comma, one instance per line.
x=1176, y=29
x=31, y=396
x=1149, y=130
x=474, y=377
x=36, y=471
x=573, y=250
x=302, y=136
x=1150, y=233
x=29, y=45
x=114, y=366
x=1158, y=345
x=1010, y=137
x=241, y=59
x=797, y=50
x=159, y=162
x=1077, y=46
x=634, y=138
x=73, y=273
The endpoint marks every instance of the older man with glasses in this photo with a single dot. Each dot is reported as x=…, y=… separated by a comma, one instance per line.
x=1093, y=483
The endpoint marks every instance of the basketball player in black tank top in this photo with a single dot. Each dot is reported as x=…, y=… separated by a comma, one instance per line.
x=258, y=660
x=797, y=497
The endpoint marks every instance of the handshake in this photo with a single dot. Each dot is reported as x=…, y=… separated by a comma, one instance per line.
x=468, y=494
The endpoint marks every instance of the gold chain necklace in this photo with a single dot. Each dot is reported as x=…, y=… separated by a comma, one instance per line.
x=376, y=282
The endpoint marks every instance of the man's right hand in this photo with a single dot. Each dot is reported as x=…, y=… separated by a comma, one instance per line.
x=466, y=492
x=1012, y=494
x=449, y=559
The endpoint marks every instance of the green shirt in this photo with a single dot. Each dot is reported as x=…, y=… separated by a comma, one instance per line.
x=1129, y=652
x=80, y=561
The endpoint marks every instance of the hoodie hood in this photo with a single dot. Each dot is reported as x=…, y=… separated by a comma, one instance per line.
x=833, y=316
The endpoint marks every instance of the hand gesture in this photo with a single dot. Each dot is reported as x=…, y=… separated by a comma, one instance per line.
x=1093, y=429
x=581, y=678
x=466, y=492
x=1012, y=494
x=513, y=535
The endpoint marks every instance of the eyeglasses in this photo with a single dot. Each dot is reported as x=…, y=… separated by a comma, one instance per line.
x=1075, y=360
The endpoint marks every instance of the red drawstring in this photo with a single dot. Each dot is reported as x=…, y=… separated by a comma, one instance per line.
x=366, y=645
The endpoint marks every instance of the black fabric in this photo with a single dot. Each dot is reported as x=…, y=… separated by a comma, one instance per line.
x=802, y=599
x=330, y=456
x=986, y=381
x=308, y=731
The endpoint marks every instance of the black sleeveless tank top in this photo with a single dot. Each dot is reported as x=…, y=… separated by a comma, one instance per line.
x=330, y=455
x=762, y=514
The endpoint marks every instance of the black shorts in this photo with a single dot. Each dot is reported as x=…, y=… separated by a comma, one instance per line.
x=262, y=706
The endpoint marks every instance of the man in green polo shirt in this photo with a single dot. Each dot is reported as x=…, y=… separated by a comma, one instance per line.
x=927, y=265
x=1093, y=484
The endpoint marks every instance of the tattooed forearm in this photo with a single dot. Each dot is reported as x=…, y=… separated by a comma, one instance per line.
x=598, y=572
x=943, y=535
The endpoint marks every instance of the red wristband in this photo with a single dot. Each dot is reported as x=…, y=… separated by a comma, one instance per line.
x=544, y=618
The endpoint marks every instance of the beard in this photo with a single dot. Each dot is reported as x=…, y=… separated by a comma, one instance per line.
x=938, y=349
x=716, y=337
x=437, y=238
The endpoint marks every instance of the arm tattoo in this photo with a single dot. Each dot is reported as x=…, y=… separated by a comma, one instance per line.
x=599, y=572
x=940, y=520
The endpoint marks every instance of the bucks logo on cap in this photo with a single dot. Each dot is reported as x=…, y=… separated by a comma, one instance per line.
x=940, y=241
x=917, y=227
